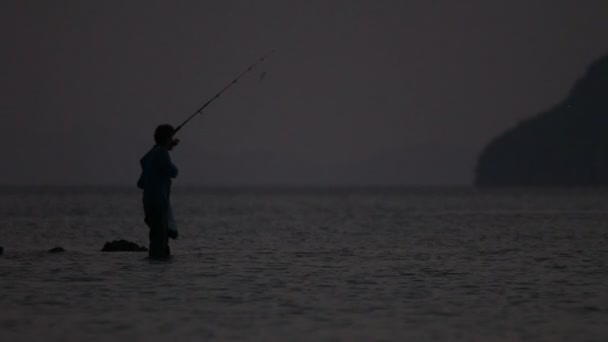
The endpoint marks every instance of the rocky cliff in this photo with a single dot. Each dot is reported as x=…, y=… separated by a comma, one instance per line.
x=565, y=146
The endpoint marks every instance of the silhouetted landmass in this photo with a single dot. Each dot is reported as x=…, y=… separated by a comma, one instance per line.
x=57, y=250
x=122, y=246
x=565, y=146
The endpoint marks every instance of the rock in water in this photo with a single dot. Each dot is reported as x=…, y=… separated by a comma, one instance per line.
x=57, y=250
x=123, y=246
x=1, y=250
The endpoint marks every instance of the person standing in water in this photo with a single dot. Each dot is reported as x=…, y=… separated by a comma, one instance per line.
x=157, y=170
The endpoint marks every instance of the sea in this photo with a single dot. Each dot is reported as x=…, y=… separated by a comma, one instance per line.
x=308, y=264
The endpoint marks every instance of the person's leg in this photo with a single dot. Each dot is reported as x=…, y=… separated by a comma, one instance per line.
x=156, y=219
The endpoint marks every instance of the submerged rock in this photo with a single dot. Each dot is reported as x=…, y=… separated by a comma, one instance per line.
x=123, y=246
x=57, y=250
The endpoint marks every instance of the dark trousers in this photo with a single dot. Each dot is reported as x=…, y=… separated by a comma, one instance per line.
x=157, y=221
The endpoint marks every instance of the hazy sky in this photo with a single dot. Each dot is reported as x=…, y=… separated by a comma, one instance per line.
x=359, y=92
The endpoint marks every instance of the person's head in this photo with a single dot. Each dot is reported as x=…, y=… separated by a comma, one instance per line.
x=163, y=136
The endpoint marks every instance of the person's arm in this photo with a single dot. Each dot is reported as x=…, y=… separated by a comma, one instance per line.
x=168, y=167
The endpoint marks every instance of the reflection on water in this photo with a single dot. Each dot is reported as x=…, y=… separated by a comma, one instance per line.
x=342, y=265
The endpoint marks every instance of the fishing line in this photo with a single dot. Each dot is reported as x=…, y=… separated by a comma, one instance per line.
x=233, y=82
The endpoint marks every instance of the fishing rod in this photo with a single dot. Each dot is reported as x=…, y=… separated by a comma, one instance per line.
x=233, y=82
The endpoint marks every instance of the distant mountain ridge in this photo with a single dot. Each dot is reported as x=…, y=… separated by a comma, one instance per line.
x=565, y=146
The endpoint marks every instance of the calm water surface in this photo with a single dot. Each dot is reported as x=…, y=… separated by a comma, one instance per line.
x=347, y=265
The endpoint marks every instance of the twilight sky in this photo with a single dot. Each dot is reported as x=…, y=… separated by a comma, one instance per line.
x=359, y=92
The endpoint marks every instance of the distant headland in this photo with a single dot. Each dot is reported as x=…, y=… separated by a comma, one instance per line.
x=565, y=146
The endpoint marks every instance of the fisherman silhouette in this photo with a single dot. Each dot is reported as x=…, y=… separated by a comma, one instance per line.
x=157, y=169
